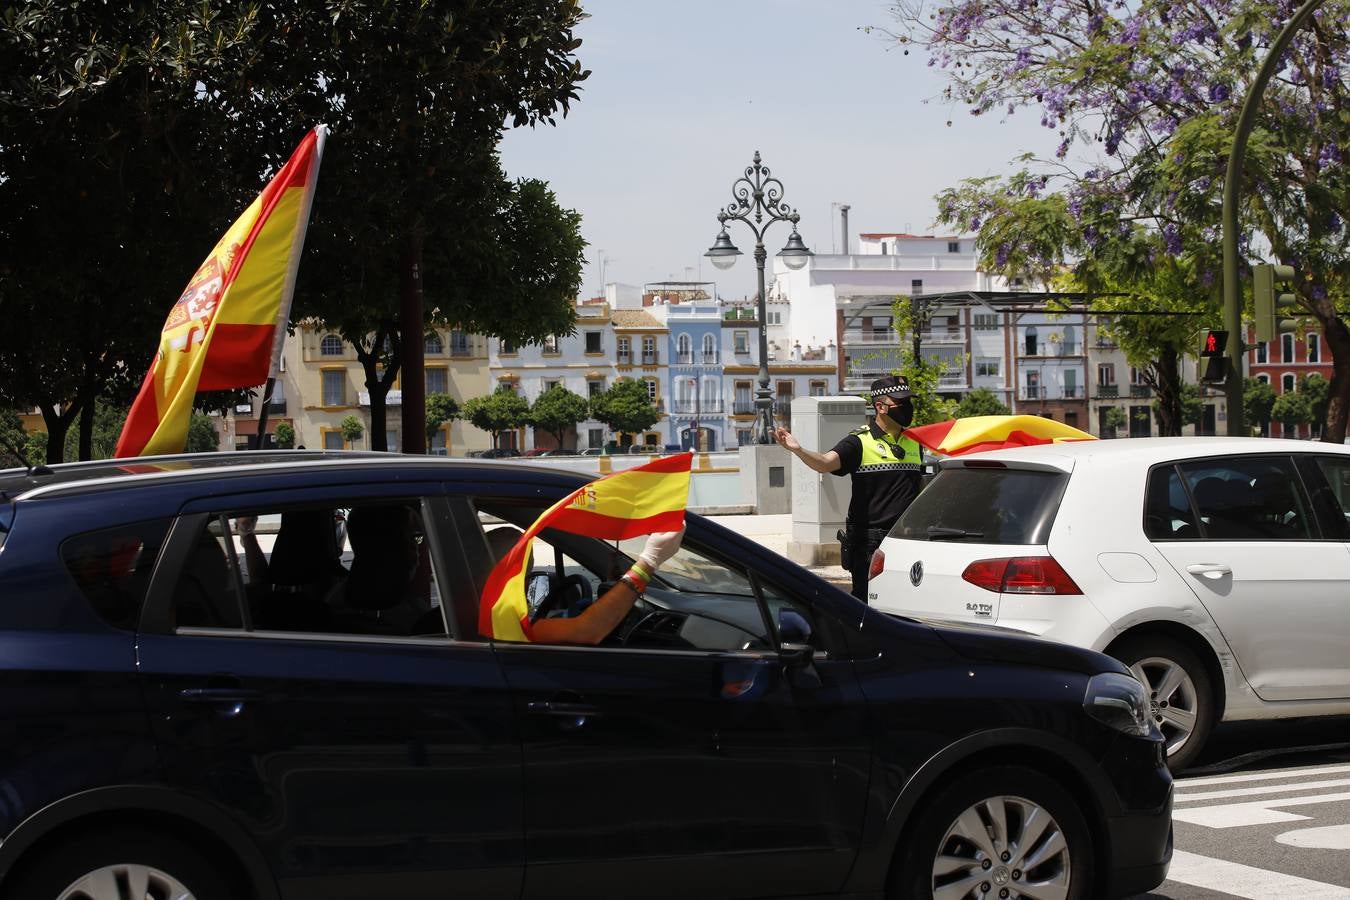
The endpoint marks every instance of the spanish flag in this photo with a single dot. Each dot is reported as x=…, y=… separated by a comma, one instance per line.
x=957, y=437
x=226, y=329
x=638, y=501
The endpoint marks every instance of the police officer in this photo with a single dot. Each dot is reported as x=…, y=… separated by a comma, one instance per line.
x=887, y=472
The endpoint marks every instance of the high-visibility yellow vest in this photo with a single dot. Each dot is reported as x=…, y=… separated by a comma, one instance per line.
x=887, y=454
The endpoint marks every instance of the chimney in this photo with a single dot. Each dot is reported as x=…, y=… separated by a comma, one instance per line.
x=843, y=224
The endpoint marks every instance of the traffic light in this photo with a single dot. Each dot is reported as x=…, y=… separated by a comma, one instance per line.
x=1273, y=294
x=1212, y=352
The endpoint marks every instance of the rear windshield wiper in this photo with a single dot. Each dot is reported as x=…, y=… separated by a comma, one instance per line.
x=938, y=533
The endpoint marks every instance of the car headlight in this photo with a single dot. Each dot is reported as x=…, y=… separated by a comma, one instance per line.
x=1119, y=701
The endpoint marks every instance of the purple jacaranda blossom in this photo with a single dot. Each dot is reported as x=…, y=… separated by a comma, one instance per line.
x=1218, y=93
x=1171, y=239
x=1001, y=256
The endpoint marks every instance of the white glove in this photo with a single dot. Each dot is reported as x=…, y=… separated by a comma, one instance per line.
x=661, y=546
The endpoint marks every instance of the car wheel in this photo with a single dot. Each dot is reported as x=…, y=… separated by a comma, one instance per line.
x=1180, y=692
x=128, y=865
x=1007, y=832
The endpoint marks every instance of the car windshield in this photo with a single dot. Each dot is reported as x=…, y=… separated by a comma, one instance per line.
x=987, y=506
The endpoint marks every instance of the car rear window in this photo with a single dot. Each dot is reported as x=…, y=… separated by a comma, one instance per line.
x=6, y=519
x=986, y=506
x=112, y=567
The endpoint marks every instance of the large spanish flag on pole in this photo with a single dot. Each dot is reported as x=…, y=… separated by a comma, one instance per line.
x=638, y=501
x=227, y=328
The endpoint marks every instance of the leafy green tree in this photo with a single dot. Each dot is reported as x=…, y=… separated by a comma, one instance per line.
x=13, y=440
x=625, y=407
x=1114, y=420
x=1318, y=391
x=497, y=412
x=202, y=436
x=1258, y=398
x=1292, y=408
x=1192, y=408
x=981, y=402
x=1144, y=97
x=556, y=410
x=441, y=408
x=284, y=436
x=922, y=373
x=352, y=429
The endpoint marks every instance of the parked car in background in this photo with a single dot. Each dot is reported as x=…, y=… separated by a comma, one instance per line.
x=192, y=710
x=1217, y=569
x=644, y=448
x=500, y=453
x=541, y=451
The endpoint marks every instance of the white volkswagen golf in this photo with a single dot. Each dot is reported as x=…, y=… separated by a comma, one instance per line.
x=1218, y=569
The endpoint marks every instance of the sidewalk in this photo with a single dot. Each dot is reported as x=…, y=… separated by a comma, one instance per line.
x=773, y=533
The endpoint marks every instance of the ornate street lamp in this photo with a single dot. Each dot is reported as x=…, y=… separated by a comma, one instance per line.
x=759, y=196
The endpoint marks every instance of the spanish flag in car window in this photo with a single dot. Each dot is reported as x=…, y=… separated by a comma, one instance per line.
x=637, y=501
x=226, y=329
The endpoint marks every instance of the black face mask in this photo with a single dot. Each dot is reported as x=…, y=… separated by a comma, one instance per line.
x=901, y=413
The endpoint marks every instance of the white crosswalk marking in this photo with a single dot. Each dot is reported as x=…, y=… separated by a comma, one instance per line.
x=1252, y=812
x=1188, y=797
x=1237, y=880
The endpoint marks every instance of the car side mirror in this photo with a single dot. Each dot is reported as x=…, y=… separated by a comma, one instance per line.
x=794, y=639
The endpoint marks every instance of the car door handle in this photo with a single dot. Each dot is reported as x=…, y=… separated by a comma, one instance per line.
x=1209, y=570
x=561, y=708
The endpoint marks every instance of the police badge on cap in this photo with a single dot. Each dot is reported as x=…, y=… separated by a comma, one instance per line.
x=891, y=386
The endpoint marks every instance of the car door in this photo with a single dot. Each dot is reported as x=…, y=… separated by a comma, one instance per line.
x=1269, y=573
x=682, y=755
x=369, y=752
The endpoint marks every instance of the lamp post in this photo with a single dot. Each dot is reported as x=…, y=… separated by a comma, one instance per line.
x=759, y=196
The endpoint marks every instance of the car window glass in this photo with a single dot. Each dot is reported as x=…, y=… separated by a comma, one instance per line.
x=985, y=505
x=1167, y=509
x=1249, y=498
x=112, y=567
x=699, y=600
x=363, y=569
x=6, y=517
x=1336, y=471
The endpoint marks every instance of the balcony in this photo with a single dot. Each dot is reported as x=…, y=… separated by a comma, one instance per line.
x=743, y=408
x=782, y=408
x=867, y=336
x=740, y=314
x=1108, y=390
x=1140, y=391
x=942, y=337
x=645, y=358
x=1072, y=392
x=1032, y=392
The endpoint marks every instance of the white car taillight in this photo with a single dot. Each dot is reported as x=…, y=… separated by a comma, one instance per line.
x=1020, y=575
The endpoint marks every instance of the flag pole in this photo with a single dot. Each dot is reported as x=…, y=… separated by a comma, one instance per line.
x=262, y=416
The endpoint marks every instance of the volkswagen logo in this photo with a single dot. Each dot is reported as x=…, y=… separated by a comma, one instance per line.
x=916, y=573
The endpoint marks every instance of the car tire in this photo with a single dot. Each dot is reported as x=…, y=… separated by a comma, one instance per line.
x=1180, y=690
x=120, y=865
x=956, y=839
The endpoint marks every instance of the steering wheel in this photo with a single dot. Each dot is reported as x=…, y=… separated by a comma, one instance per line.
x=567, y=593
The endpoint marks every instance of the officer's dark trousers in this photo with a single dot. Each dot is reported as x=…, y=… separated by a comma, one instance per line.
x=862, y=542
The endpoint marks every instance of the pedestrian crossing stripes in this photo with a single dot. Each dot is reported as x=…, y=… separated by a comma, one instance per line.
x=1257, y=812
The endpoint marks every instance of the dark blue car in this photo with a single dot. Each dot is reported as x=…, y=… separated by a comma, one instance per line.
x=260, y=675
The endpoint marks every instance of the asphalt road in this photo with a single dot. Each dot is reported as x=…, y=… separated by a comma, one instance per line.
x=1264, y=814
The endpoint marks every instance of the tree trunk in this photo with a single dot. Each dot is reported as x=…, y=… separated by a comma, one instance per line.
x=412, y=327
x=1338, y=395
x=87, y=432
x=57, y=426
x=1166, y=376
x=377, y=388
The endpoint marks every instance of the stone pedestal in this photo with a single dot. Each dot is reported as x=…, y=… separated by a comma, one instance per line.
x=820, y=502
x=764, y=479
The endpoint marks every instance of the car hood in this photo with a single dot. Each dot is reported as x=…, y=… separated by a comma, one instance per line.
x=990, y=643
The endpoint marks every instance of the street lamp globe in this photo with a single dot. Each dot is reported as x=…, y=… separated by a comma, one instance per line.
x=794, y=254
x=723, y=252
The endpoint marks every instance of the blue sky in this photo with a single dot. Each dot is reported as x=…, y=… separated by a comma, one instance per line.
x=682, y=92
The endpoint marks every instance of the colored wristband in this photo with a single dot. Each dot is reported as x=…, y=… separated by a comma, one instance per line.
x=634, y=580
x=641, y=570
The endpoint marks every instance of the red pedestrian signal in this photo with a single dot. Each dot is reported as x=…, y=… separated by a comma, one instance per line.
x=1216, y=364
x=1215, y=343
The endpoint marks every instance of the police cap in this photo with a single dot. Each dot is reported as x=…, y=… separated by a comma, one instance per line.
x=891, y=386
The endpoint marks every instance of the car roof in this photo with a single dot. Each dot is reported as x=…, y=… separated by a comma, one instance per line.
x=65, y=479
x=1140, y=451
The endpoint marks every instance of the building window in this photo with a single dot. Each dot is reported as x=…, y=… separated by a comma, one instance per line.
x=459, y=343
x=551, y=344
x=1287, y=383
x=595, y=388
x=987, y=367
x=775, y=318
x=550, y=385
x=709, y=349
x=743, y=437
x=742, y=341
x=649, y=351
x=883, y=248
x=1262, y=353
x=438, y=381
x=1033, y=388
x=593, y=344
x=818, y=388
x=434, y=346
x=332, y=440
x=1106, y=373
x=1314, y=349
x=335, y=388
x=916, y=287
x=1286, y=348
x=684, y=350
x=651, y=389
x=595, y=438
x=508, y=347
x=331, y=345
x=391, y=440
x=1031, y=340
x=953, y=246
x=1263, y=378
x=986, y=322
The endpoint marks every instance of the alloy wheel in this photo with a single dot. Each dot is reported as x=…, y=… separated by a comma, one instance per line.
x=1173, y=699
x=126, y=881
x=1004, y=847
